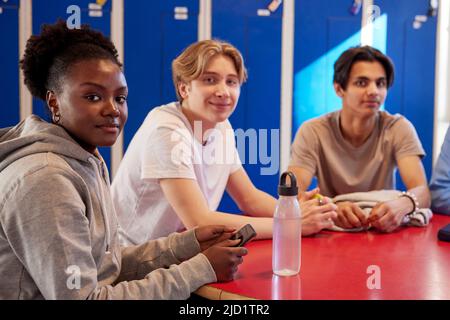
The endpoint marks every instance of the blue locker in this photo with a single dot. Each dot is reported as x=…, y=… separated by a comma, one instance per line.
x=413, y=53
x=9, y=63
x=323, y=30
x=50, y=13
x=259, y=40
x=10, y=4
x=153, y=38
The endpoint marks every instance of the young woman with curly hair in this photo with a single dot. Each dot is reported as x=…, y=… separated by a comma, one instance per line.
x=59, y=231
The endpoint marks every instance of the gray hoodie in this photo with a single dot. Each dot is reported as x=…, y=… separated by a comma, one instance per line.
x=59, y=237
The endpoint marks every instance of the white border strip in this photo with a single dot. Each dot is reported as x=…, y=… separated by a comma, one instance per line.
x=117, y=34
x=204, y=20
x=366, y=24
x=287, y=74
x=25, y=31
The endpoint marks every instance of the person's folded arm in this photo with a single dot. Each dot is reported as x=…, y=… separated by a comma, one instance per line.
x=250, y=200
x=46, y=224
x=387, y=216
x=303, y=176
x=139, y=260
x=187, y=200
x=414, y=178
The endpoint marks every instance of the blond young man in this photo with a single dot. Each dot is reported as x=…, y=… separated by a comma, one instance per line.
x=183, y=157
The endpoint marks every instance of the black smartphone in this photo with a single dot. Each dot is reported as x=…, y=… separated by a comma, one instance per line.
x=245, y=234
x=444, y=233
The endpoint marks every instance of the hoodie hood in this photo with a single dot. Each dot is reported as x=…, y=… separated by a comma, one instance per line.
x=34, y=135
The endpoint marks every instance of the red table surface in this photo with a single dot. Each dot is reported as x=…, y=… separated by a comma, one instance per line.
x=413, y=264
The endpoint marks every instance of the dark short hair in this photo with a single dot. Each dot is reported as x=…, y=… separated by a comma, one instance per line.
x=344, y=63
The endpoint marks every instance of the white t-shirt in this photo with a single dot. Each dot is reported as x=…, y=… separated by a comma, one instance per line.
x=164, y=147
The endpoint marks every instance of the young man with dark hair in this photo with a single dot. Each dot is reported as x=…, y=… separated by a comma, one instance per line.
x=358, y=148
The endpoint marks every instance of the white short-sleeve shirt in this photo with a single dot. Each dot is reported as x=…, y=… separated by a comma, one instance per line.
x=164, y=147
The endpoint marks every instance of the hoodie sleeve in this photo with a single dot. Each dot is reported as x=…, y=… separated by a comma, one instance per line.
x=176, y=282
x=44, y=219
x=138, y=261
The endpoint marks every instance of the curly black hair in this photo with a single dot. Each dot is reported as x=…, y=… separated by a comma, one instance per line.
x=49, y=55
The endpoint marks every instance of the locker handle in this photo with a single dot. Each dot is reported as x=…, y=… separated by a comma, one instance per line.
x=180, y=13
x=274, y=5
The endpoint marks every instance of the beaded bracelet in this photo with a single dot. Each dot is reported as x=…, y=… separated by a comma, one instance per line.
x=413, y=198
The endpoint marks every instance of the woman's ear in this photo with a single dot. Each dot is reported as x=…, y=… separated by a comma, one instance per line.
x=338, y=89
x=52, y=102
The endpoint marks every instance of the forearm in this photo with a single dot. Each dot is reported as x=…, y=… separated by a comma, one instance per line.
x=261, y=204
x=137, y=261
x=262, y=226
x=405, y=204
x=175, y=282
x=423, y=196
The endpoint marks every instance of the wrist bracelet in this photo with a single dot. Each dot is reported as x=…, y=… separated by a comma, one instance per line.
x=413, y=199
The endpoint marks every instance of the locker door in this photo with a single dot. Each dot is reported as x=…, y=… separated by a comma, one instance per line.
x=154, y=36
x=413, y=53
x=178, y=33
x=9, y=63
x=258, y=37
x=97, y=19
x=323, y=30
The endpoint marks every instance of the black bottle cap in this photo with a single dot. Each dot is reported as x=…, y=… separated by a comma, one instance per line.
x=285, y=190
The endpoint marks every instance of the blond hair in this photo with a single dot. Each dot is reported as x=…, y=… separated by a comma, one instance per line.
x=191, y=63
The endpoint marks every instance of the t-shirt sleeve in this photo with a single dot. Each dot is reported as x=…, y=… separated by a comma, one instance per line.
x=406, y=140
x=304, y=152
x=169, y=153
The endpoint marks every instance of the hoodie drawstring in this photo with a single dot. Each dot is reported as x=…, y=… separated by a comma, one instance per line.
x=100, y=168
